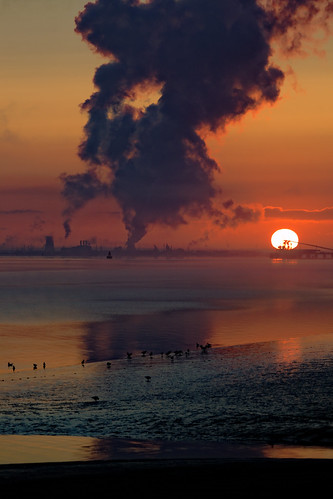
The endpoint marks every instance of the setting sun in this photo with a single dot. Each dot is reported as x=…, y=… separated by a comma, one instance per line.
x=284, y=239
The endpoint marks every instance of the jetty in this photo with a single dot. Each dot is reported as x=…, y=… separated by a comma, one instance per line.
x=285, y=251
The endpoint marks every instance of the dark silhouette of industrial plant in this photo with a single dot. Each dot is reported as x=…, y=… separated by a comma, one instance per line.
x=287, y=251
x=85, y=249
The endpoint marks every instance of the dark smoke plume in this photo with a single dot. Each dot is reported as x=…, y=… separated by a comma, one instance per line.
x=211, y=61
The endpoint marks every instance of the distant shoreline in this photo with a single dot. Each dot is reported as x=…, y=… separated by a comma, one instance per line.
x=119, y=252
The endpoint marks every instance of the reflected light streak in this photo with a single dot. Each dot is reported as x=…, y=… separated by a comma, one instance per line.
x=289, y=350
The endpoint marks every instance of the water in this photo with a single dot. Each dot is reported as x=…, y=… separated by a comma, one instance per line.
x=266, y=378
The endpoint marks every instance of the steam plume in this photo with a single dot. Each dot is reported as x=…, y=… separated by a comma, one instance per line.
x=211, y=61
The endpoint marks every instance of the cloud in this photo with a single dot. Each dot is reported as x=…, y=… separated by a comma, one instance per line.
x=299, y=214
x=233, y=214
x=211, y=61
x=20, y=212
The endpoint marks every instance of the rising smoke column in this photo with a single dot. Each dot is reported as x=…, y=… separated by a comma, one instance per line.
x=211, y=62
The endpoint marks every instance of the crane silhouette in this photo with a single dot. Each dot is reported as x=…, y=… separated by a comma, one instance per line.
x=287, y=244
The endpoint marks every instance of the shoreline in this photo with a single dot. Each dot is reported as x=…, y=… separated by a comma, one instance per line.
x=173, y=477
x=18, y=450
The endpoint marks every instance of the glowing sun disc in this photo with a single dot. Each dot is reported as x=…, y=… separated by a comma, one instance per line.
x=284, y=239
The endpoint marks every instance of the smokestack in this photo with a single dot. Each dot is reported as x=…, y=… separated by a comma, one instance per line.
x=211, y=61
x=49, y=245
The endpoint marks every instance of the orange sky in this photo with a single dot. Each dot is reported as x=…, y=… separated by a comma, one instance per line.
x=281, y=156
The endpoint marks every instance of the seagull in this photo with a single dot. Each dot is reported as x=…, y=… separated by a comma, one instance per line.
x=148, y=378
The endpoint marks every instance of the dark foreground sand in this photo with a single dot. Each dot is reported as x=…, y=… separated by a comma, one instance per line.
x=227, y=478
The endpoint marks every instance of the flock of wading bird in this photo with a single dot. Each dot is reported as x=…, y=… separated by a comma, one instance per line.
x=34, y=366
x=171, y=354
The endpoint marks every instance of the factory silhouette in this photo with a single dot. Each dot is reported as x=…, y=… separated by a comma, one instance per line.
x=86, y=249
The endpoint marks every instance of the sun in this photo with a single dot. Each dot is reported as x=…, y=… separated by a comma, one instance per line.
x=284, y=239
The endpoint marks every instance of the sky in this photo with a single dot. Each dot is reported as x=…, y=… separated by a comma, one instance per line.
x=274, y=161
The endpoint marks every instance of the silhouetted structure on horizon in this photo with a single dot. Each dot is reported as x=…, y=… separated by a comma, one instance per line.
x=49, y=246
x=84, y=249
x=301, y=254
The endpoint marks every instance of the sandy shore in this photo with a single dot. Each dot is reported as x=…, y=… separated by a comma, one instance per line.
x=228, y=478
x=130, y=468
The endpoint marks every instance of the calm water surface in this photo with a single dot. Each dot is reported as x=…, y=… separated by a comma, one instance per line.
x=63, y=310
